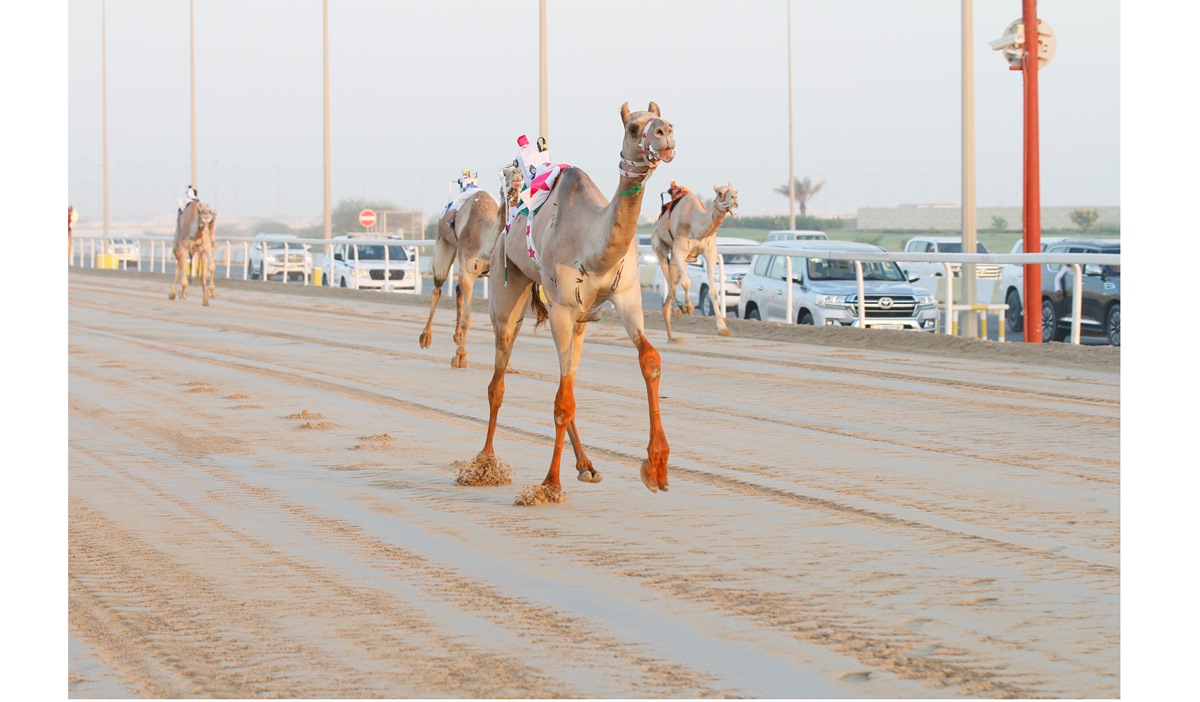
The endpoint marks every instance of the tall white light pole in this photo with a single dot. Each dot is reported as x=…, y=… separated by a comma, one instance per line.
x=971, y=324
x=104, y=100
x=791, y=143
x=543, y=120
x=328, y=197
x=192, y=59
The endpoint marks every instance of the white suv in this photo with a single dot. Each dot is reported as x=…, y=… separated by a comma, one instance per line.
x=928, y=271
x=736, y=267
x=280, y=254
x=364, y=266
x=825, y=291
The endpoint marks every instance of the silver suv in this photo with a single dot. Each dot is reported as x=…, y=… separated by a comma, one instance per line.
x=825, y=291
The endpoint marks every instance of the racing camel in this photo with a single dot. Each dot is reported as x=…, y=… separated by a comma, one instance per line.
x=580, y=252
x=194, y=239
x=468, y=235
x=687, y=230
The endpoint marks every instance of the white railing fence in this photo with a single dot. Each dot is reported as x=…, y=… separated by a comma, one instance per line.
x=91, y=251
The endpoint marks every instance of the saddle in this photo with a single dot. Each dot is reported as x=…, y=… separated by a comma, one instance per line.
x=675, y=192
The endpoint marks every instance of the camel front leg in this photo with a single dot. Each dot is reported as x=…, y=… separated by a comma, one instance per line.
x=710, y=259
x=583, y=465
x=508, y=312
x=180, y=273
x=566, y=332
x=205, y=262
x=654, y=468
x=670, y=280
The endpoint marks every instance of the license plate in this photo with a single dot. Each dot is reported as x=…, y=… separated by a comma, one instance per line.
x=887, y=326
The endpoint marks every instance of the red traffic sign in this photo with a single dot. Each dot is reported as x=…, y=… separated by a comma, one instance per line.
x=366, y=218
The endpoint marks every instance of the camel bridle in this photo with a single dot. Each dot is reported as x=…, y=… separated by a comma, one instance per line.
x=726, y=206
x=649, y=158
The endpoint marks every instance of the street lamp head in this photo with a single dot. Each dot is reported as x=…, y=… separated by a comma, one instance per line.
x=1012, y=44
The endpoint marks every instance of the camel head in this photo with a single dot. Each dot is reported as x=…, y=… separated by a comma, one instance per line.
x=648, y=137
x=513, y=180
x=727, y=200
x=208, y=216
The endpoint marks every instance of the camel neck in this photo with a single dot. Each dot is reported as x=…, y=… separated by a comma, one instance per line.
x=623, y=212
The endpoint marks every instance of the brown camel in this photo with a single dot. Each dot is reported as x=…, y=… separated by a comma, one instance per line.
x=581, y=252
x=194, y=238
x=686, y=231
x=468, y=236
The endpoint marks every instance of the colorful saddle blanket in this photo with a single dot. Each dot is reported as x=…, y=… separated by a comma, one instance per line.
x=533, y=196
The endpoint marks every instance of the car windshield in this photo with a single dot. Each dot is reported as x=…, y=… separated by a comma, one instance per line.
x=738, y=259
x=374, y=252
x=956, y=247
x=823, y=269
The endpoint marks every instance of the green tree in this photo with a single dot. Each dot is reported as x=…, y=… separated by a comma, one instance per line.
x=1085, y=218
x=805, y=191
x=999, y=223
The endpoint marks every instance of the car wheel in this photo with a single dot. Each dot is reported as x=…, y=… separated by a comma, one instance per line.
x=343, y=282
x=752, y=313
x=805, y=317
x=1049, y=323
x=1112, y=325
x=1015, y=315
x=706, y=305
x=254, y=273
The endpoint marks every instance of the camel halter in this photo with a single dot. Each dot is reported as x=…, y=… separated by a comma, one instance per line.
x=649, y=159
x=727, y=207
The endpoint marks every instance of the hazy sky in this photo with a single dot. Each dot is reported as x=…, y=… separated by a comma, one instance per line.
x=420, y=90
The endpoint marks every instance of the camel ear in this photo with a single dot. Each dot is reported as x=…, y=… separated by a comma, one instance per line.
x=625, y=113
x=716, y=188
x=654, y=108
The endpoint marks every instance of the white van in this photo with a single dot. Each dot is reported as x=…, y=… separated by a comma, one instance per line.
x=372, y=266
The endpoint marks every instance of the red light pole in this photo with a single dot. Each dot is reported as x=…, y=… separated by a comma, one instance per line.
x=1033, y=197
x=1027, y=51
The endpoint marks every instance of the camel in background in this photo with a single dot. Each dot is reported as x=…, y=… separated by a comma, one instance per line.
x=683, y=232
x=194, y=238
x=468, y=235
x=580, y=252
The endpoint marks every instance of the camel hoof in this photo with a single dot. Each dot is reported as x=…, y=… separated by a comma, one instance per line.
x=170, y=296
x=677, y=340
x=650, y=481
x=206, y=303
x=425, y=340
x=725, y=332
x=459, y=361
x=589, y=475
x=485, y=469
x=535, y=495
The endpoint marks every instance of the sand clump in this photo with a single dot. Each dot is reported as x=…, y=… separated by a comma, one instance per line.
x=305, y=414
x=535, y=495
x=318, y=425
x=237, y=396
x=483, y=470
x=374, y=441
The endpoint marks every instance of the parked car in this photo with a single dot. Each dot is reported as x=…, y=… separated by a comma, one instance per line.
x=928, y=272
x=126, y=251
x=647, y=261
x=736, y=266
x=795, y=235
x=1012, y=285
x=279, y=254
x=1100, y=306
x=390, y=267
x=825, y=291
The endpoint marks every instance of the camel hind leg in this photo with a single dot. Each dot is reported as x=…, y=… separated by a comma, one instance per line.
x=443, y=256
x=181, y=275
x=466, y=288
x=507, y=308
x=710, y=259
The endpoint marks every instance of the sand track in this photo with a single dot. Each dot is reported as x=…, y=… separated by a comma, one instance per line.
x=842, y=521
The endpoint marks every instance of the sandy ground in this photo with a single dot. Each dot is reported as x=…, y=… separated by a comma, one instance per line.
x=262, y=504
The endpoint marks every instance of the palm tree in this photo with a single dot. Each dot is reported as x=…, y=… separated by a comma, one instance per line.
x=805, y=191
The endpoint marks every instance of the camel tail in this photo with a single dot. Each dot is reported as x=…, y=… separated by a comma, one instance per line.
x=538, y=307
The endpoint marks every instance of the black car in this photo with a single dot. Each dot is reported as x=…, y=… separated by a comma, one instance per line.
x=1101, y=304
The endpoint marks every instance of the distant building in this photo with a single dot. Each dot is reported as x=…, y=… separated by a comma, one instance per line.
x=923, y=217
